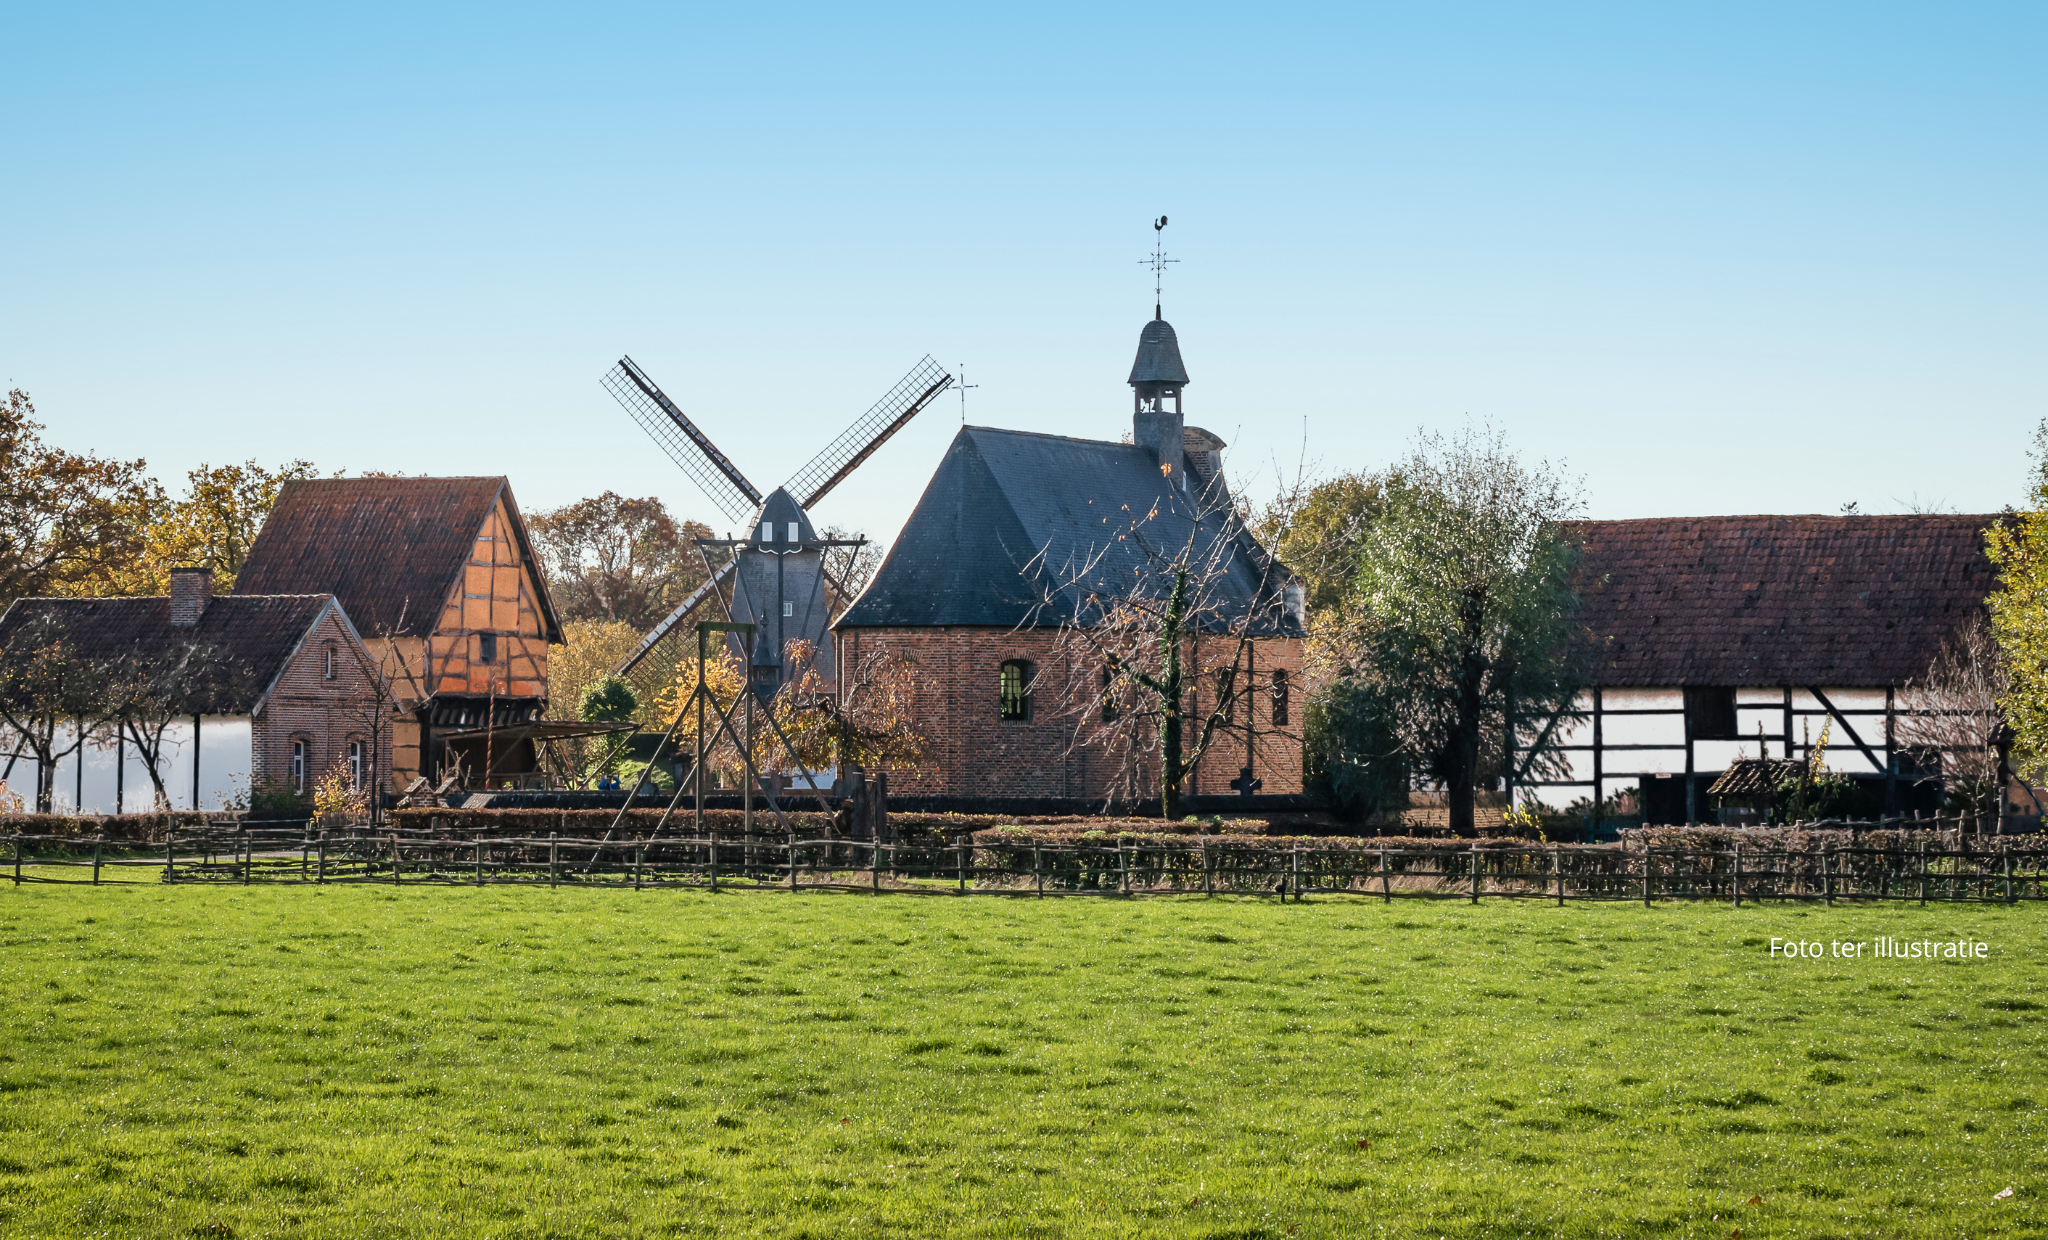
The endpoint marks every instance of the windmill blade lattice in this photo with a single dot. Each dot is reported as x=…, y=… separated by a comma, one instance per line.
x=868, y=432
x=689, y=447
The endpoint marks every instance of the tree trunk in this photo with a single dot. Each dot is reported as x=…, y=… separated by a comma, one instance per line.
x=1464, y=764
x=1170, y=773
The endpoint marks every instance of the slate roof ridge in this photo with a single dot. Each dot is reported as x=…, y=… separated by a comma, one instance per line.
x=1004, y=430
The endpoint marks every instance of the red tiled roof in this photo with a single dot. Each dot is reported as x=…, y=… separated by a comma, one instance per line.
x=247, y=640
x=1827, y=601
x=390, y=549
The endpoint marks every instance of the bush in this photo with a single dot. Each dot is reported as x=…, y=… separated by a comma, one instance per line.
x=608, y=700
x=1350, y=757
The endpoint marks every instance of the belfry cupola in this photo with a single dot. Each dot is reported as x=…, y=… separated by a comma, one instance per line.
x=1158, y=375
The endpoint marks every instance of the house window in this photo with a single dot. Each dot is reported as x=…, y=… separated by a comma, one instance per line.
x=1016, y=690
x=1710, y=714
x=355, y=766
x=788, y=608
x=794, y=528
x=298, y=768
x=487, y=648
x=1109, y=711
x=1279, y=697
x=328, y=674
x=767, y=531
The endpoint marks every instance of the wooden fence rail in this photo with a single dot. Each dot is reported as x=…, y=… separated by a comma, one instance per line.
x=1115, y=869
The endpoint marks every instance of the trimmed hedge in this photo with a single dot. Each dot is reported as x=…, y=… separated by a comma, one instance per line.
x=128, y=828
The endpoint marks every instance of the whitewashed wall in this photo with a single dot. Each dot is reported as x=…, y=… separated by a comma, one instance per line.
x=1752, y=707
x=223, y=753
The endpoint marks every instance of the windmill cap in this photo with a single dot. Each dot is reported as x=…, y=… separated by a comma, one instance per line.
x=778, y=510
x=1158, y=355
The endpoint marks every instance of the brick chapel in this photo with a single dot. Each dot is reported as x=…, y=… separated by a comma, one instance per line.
x=1011, y=529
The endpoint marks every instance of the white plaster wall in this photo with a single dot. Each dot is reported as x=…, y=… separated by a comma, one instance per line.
x=223, y=754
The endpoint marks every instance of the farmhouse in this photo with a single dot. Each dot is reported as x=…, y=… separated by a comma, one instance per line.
x=441, y=578
x=1013, y=530
x=252, y=691
x=1727, y=636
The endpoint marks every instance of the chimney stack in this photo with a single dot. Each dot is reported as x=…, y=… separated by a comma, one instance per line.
x=191, y=591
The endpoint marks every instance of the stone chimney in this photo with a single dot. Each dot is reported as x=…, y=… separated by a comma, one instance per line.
x=191, y=591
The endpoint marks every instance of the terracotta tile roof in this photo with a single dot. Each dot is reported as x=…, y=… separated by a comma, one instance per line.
x=247, y=639
x=390, y=549
x=1764, y=600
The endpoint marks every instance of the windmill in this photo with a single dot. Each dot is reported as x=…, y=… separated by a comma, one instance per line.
x=774, y=578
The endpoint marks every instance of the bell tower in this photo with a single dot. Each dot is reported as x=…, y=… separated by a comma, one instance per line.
x=1158, y=375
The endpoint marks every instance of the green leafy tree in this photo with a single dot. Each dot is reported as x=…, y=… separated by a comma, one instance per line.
x=615, y=558
x=1462, y=608
x=1351, y=752
x=2019, y=612
x=609, y=700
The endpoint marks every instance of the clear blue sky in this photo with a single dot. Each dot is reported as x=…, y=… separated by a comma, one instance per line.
x=1718, y=258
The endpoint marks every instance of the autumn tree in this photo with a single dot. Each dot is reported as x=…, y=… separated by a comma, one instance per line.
x=1461, y=610
x=212, y=525
x=612, y=558
x=68, y=522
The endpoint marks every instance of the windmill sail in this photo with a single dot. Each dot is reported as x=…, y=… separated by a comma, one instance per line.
x=672, y=619
x=868, y=432
x=689, y=447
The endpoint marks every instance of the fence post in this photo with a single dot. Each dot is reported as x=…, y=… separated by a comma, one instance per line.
x=1038, y=869
x=1297, y=873
x=792, y=859
x=248, y=854
x=639, y=861
x=1208, y=880
x=1738, y=874
x=476, y=857
x=714, y=858
x=1386, y=888
x=1475, y=872
x=2008, y=870
x=961, y=867
x=305, y=855
x=321, y=876
x=1923, y=870
x=170, y=833
x=1557, y=871
x=100, y=841
x=554, y=846
x=1647, y=854
x=875, y=863
x=1123, y=869
x=1827, y=874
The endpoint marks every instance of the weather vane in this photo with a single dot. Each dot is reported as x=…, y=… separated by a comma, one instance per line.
x=964, y=385
x=1158, y=262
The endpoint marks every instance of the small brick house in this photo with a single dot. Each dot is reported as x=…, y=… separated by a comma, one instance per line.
x=974, y=590
x=441, y=577
x=287, y=693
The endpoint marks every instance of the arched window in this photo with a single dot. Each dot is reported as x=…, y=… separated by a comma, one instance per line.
x=328, y=673
x=1016, y=690
x=1280, y=697
x=355, y=765
x=298, y=767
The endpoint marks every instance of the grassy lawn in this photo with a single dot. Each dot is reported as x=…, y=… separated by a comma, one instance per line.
x=355, y=1061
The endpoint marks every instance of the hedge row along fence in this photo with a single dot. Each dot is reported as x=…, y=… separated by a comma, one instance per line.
x=1040, y=861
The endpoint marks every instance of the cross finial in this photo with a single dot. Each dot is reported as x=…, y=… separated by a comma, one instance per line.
x=964, y=385
x=1158, y=262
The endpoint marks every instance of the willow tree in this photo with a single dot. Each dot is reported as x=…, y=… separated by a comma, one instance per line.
x=1461, y=613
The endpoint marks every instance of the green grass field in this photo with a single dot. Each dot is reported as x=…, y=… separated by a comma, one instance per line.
x=355, y=1062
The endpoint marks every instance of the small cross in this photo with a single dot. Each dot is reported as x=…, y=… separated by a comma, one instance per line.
x=964, y=385
x=1245, y=784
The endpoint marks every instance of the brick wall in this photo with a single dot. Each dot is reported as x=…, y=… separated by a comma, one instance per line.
x=326, y=713
x=975, y=752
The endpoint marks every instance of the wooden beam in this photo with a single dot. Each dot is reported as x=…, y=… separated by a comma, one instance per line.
x=1822, y=698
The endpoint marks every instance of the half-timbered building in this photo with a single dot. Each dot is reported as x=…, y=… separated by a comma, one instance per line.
x=442, y=582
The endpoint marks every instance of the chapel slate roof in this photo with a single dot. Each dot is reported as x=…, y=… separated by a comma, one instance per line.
x=246, y=639
x=391, y=549
x=1008, y=509
x=1778, y=600
x=1158, y=359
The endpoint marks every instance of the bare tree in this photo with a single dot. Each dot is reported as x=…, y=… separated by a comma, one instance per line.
x=1950, y=716
x=1185, y=612
x=44, y=682
x=141, y=693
